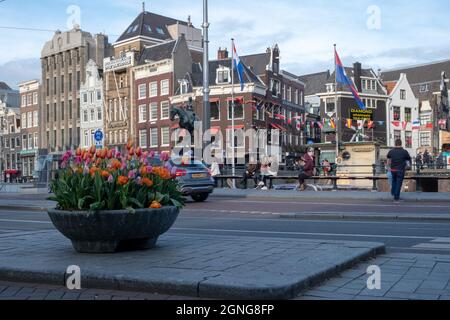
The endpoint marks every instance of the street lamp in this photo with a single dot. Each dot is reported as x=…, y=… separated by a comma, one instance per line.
x=206, y=91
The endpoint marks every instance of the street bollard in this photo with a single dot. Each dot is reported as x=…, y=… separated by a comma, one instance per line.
x=374, y=172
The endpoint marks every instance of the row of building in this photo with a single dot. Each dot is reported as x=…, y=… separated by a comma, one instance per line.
x=95, y=93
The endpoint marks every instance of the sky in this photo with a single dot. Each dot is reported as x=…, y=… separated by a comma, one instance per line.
x=378, y=33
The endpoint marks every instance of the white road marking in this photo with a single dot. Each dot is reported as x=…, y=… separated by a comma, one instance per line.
x=25, y=221
x=307, y=233
x=433, y=246
x=338, y=204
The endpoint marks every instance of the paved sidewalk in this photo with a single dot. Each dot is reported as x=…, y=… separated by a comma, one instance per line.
x=332, y=195
x=187, y=265
x=29, y=291
x=403, y=277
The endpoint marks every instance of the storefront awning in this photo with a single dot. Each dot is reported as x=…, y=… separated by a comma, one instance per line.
x=238, y=99
x=237, y=127
x=214, y=100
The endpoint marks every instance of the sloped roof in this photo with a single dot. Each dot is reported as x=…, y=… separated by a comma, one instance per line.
x=4, y=86
x=151, y=25
x=390, y=86
x=314, y=83
x=157, y=52
x=257, y=62
x=419, y=74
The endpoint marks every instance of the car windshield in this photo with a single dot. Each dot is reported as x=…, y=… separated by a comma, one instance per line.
x=186, y=162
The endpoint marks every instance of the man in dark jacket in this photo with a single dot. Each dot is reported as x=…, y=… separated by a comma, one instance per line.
x=307, y=162
x=398, y=160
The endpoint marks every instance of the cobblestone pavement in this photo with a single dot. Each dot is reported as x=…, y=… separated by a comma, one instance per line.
x=27, y=291
x=403, y=277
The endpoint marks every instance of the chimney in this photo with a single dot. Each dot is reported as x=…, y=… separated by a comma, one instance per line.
x=222, y=54
x=357, y=73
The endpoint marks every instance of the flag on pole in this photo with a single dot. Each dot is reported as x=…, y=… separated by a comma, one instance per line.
x=239, y=67
x=332, y=123
x=341, y=77
x=361, y=123
x=370, y=124
x=416, y=125
x=349, y=123
x=404, y=125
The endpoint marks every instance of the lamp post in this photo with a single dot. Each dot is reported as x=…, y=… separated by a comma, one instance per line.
x=206, y=105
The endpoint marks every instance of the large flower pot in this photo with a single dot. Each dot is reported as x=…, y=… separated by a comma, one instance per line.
x=112, y=231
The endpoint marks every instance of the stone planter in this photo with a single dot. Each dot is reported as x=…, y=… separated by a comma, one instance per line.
x=112, y=231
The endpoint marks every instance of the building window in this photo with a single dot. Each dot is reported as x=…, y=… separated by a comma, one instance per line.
x=153, y=89
x=35, y=118
x=223, y=76
x=403, y=94
x=30, y=119
x=62, y=110
x=36, y=141
x=364, y=84
x=275, y=87
x=397, y=115
x=165, y=110
x=142, y=113
x=153, y=137
x=24, y=142
x=70, y=109
x=143, y=138
x=424, y=88
x=408, y=139
x=99, y=95
x=30, y=142
x=24, y=100
x=397, y=135
x=330, y=87
x=289, y=94
x=296, y=96
x=238, y=110
x=165, y=136
x=35, y=98
x=215, y=111
x=165, y=87
x=70, y=81
x=92, y=115
x=62, y=84
x=24, y=120
x=99, y=114
x=183, y=87
x=153, y=111
x=85, y=116
x=425, y=139
x=408, y=115
x=85, y=97
x=54, y=112
x=330, y=106
x=86, y=138
x=78, y=80
x=142, y=91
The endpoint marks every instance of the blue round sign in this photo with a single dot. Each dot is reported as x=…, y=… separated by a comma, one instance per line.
x=98, y=136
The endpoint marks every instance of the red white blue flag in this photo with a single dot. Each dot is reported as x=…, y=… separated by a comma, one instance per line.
x=341, y=77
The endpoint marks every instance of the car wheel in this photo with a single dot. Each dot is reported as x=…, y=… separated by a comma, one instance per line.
x=200, y=197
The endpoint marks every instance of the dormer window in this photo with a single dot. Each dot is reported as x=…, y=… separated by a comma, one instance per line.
x=330, y=87
x=159, y=30
x=148, y=28
x=223, y=76
x=275, y=87
x=183, y=87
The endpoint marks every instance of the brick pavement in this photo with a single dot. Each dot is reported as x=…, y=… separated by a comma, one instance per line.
x=187, y=265
x=404, y=276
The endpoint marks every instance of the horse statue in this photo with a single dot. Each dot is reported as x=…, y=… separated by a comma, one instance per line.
x=187, y=117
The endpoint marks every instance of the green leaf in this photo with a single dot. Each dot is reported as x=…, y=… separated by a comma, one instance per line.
x=176, y=203
x=136, y=202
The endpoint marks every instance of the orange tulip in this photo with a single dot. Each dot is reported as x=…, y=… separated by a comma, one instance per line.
x=109, y=154
x=143, y=171
x=92, y=150
x=138, y=151
x=105, y=174
x=78, y=153
x=130, y=144
x=155, y=205
x=122, y=180
x=93, y=171
x=116, y=164
x=147, y=182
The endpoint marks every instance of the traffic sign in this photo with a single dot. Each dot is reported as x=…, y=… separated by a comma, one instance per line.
x=98, y=136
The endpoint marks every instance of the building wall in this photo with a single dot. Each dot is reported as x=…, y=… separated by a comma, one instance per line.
x=91, y=94
x=29, y=110
x=410, y=102
x=10, y=146
x=64, y=61
x=160, y=123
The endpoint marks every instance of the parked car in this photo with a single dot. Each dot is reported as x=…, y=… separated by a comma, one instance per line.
x=194, y=178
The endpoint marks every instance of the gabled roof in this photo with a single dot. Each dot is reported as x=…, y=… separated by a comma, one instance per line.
x=151, y=25
x=157, y=52
x=314, y=83
x=419, y=74
x=257, y=62
x=4, y=86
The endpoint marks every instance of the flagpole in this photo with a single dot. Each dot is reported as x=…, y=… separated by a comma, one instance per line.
x=233, y=167
x=336, y=105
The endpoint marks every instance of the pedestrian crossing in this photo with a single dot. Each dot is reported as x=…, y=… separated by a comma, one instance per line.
x=436, y=244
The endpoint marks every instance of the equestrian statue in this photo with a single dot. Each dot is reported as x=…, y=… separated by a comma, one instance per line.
x=186, y=116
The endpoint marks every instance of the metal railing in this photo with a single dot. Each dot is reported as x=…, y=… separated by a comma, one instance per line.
x=374, y=173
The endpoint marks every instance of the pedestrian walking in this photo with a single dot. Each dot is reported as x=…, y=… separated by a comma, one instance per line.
x=399, y=161
x=307, y=163
x=215, y=170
